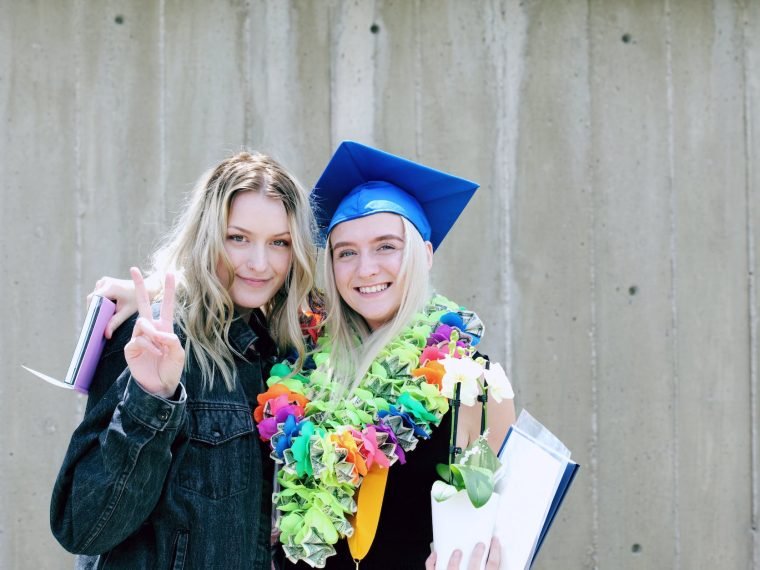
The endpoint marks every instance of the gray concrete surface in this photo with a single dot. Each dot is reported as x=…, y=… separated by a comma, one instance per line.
x=612, y=250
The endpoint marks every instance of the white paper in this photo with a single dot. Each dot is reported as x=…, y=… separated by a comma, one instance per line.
x=535, y=430
x=457, y=524
x=527, y=487
x=50, y=379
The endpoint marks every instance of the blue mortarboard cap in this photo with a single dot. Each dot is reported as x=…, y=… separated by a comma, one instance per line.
x=360, y=181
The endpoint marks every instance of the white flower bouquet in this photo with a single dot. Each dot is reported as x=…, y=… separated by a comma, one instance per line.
x=464, y=503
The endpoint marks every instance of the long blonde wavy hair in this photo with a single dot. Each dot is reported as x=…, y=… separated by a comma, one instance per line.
x=353, y=345
x=193, y=248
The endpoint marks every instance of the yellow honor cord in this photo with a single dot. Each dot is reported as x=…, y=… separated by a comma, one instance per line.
x=369, y=502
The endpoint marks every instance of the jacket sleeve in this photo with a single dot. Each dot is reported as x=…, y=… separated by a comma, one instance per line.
x=116, y=464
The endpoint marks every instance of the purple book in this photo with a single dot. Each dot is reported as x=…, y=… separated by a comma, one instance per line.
x=89, y=347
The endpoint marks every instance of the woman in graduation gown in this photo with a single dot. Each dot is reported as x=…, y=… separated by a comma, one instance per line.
x=375, y=395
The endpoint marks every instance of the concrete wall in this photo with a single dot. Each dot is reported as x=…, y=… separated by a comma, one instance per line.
x=612, y=249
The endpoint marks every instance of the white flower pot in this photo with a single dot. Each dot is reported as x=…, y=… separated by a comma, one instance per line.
x=457, y=524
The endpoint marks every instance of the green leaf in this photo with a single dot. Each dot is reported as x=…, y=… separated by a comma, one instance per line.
x=443, y=471
x=456, y=477
x=484, y=457
x=478, y=482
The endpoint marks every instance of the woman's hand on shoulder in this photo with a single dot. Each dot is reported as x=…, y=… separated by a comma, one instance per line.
x=122, y=292
x=154, y=354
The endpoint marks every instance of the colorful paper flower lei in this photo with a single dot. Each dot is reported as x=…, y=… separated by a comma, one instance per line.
x=324, y=450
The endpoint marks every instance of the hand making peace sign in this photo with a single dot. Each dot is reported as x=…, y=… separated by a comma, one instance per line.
x=154, y=355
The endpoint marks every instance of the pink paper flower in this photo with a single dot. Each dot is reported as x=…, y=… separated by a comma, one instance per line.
x=432, y=353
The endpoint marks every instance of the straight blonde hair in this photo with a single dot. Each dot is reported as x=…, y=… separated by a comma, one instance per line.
x=353, y=345
x=193, y=248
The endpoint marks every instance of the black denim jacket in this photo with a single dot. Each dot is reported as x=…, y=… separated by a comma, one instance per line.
x=155, y=483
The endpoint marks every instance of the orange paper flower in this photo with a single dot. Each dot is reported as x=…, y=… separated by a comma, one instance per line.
x=346, y=441
x=433, y=372
x=275, y=391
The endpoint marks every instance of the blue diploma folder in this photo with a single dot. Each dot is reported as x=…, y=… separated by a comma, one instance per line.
x=537, y=474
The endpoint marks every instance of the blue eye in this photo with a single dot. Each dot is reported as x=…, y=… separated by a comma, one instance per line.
x=345, y=253
x=236, y=238
x=281, y=243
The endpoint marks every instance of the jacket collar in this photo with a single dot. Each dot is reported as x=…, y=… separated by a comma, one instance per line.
x=241, y=335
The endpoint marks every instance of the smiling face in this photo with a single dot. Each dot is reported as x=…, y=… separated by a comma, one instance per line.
x=258, y=246
x=367, y=258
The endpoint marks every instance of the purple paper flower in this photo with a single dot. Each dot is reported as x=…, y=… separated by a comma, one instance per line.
x=291, y=409
x=394, y=411
x=382, y=426
x=267, y=428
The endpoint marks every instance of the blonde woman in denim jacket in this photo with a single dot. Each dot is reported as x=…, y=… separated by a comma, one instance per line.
x=166, y=469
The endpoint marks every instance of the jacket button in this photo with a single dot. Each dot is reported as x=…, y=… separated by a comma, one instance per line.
x=163, y=415
x=216, y=434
